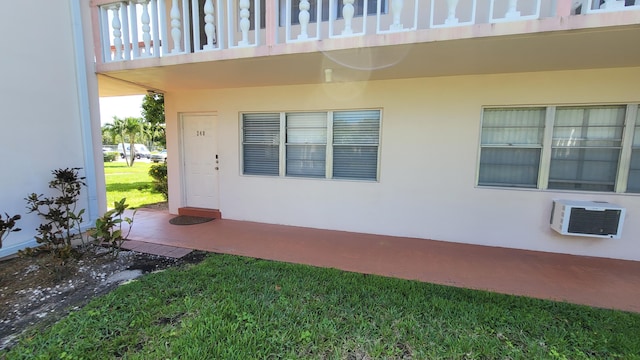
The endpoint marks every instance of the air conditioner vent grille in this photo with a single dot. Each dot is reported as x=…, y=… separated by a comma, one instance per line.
x=587, y=218
x=583, y=221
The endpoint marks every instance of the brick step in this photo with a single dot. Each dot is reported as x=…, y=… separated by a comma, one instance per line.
x=200, y=212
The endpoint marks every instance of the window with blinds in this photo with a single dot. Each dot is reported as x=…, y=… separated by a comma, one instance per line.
x=335, y=145
x=580, y=148
x=356, y=135
x=511, y=146
x=586, y=148
x=306, y=144
x=261, y=144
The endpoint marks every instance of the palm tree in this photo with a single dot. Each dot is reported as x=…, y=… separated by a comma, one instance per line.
x=131, y=127
x=147, y=133
x=153, y=133
x=117, y=127
x=110, y=133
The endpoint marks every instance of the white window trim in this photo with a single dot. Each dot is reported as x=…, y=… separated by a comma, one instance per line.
x=329, y=148
x=282, y=152
x=283, y=144
x=547, y=141
x=624, y=161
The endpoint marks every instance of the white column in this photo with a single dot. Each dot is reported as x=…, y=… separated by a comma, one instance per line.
x=209, y=27
x=116, y=25
x=513, y=10
x=451, y=17
x=303, y=17
x=347, y=13
x=245, y=23
x=396, y=11
x=176, y=27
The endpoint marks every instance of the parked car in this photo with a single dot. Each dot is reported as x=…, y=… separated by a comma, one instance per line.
x=161, y=156
x=139, y=150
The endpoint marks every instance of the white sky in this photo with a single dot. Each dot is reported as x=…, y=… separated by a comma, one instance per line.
x=120, y=106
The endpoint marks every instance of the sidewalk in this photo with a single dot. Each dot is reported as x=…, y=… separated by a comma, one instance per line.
x=590, y=281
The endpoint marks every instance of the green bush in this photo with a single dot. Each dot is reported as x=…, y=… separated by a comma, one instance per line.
x=110, y=156
x=8, y=226
x=108, y=228
x=62, y=219
x=159, y=174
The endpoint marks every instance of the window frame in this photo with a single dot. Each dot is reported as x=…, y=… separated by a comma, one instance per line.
x=329, y=146
x=631, y=119
x=498, y=146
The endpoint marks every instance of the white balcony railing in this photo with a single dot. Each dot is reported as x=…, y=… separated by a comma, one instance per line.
x=134, y=29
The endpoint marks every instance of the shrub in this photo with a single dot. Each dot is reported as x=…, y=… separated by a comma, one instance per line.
x=159, y=174
x=108, y=228
x=62, y=222
x=8, y=226
x=110, y=156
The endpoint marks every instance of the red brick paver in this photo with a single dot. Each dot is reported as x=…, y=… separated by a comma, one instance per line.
x=584, y=280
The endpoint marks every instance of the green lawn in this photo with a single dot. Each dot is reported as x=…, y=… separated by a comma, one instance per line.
x=231, y=307
x=133, y=183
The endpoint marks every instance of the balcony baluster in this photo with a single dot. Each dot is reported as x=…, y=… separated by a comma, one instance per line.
x=451, y=13
x=396, y=11
x=528, y=10
x=176, y=27
x=304, y=17
x=146, y=27
x=245, y=23
x=512, y=13
x=347, y=12
x=116, y=25
x=209, y=27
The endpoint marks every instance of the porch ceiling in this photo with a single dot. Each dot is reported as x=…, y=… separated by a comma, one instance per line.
x=561, y=50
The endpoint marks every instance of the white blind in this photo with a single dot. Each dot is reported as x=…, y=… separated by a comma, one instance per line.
x=586, y=148
x=513, y=127
x=261, y=144
x=306, y=144
x=511, y=144
x=356, y=137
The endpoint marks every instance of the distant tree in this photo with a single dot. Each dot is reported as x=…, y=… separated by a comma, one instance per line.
x=127, y=130
x=105, y=134
x=117, y=127
x=153, y=114
x=109, y=134
x=132, y=128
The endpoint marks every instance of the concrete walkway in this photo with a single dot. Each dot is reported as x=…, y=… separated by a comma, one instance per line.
x=156, y=249
x=590, y=281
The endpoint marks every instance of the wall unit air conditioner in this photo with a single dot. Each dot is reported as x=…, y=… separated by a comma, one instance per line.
x=587, y=218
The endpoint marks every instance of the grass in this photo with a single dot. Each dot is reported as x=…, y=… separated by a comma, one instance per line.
x=231, y=307
x=133, y=183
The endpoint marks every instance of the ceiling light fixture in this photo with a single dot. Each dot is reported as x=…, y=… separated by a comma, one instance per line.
x=328, y=75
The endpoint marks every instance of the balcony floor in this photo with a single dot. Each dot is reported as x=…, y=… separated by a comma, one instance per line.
x=590, y=281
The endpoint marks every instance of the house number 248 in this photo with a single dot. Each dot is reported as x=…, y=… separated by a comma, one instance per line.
x=199, y=132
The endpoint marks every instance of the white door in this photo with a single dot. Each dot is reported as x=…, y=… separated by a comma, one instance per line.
x=200, y=149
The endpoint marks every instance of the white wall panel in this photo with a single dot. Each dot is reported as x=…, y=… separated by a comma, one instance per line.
x=40, y=121
x=429, y=148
